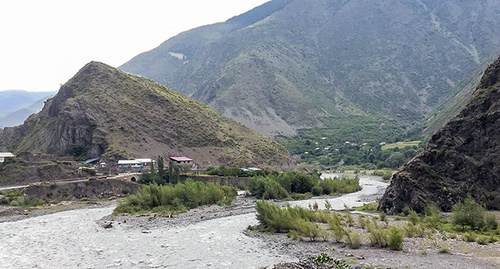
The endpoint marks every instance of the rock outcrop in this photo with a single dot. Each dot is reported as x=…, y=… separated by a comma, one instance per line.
x=463, y=157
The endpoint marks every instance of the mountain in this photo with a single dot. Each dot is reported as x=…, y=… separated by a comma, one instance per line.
x=19, y=116
x=293, y=64
x=457, y=100
x=105, y=112
x=13, y=100
x=462, y=157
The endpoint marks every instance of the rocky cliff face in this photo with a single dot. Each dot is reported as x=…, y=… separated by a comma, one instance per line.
x=102, y=111
x=463, y=157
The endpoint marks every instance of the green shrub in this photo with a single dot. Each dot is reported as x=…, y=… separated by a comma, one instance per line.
x=15, y=203
x=414, y=230
x=395, y=238
x=491, y=221
x=174, y=198
x=377, y=236
x=362, y=222
x=335, y=224
x=354, y=239
x=432, y=216
x=371, y=208
x=340, y=186
x=266, y=188
x=323, y=258
x=482, y=240
x=469, y=213
x=444, y=250
x=281, y=219
x=274, y=191
x=383, y=216
x=317, y=190
x=301, y=196
x=469, y=237
x=310, y=230
x=413, y=217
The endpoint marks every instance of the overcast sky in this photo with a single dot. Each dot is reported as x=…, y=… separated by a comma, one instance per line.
x=44, y=43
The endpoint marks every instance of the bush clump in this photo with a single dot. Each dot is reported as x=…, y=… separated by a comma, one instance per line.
x=395, y=238
x=470, y=214
x=175, y=198
x=297, y=184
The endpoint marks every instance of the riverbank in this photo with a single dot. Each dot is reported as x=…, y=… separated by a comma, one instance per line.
x=78, y=235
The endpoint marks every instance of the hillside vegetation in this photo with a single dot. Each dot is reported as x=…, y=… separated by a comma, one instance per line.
x=104, y=111
x=294, y=64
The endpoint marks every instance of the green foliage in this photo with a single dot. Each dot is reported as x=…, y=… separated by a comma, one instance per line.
x=469, y=213
x=339, y=185
x=335, y=224
x=317, y=191
x=482, y=240
x=469, y=237
x=278, y=219
x=371, y=208
x=354, y=239
x=413, y=217
x=310, y=230
x=385, y=174
x=329, y=149
x=323, y=258
x=432, y=216
x=444, y=250
x=266, y=188
x=236, y=172
x=395, y=160
x=491, y=221
x=383, y=216
x=377, y=236
x=280, y=186
x=174, y=198
x=395, y=238
x=412, y=230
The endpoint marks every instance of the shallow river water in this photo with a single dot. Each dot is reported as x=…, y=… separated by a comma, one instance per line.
x=73, y=239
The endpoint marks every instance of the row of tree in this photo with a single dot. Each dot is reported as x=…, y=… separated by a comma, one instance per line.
x=162, y=176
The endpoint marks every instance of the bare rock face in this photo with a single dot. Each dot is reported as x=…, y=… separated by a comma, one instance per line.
x=463, y=157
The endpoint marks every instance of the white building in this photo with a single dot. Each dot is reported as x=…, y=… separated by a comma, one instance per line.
x=4, y=155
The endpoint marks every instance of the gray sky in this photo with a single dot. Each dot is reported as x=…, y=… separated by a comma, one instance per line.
x=44, y=43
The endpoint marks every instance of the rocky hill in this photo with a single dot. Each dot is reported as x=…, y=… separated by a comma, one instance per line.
x=292, y=64
x=463, y=157
x=105, y=112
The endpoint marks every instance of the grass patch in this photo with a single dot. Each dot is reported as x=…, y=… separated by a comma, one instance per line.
x=401, y=145
x=370, y=208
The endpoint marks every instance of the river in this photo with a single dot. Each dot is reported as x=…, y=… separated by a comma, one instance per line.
x=73, y=239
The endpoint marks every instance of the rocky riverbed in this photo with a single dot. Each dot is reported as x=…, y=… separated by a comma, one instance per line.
x=206, y=237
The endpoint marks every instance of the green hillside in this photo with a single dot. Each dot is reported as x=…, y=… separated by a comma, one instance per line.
x=296, y=64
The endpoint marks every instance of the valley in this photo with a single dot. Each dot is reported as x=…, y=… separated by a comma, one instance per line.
x=298, y=134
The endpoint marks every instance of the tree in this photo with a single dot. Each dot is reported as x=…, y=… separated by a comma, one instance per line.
x=161, y=171
x=395, y=160
x=175, y=177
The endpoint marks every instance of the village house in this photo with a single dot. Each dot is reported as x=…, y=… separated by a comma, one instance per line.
x=4, y=155
x=137, y=165
x=181, y=160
